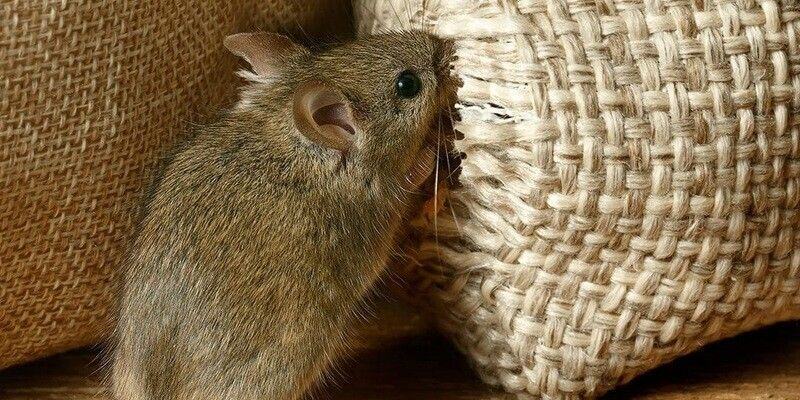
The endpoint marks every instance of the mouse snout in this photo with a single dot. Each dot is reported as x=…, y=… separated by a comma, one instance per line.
x=445, y=56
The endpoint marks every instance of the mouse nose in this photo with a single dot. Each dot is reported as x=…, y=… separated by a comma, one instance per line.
x=446, y=54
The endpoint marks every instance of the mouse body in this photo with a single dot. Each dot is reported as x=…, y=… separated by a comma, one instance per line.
x=266, y=229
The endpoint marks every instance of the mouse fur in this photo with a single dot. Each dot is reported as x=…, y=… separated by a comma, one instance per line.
x=257, y=245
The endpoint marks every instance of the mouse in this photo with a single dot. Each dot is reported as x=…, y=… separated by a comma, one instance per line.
x=265, y=230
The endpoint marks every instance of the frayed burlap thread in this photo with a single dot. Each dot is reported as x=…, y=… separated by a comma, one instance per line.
x=91, y=93
x=630, y=188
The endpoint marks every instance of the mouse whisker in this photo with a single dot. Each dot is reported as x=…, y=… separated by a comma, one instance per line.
x=396, y=15
x=424, y=16
x=381, y=28
x=453, y=172
x=409, y=15
x=306, y=37
x=436, y=189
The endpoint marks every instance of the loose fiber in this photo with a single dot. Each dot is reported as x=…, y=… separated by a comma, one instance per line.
x=91, y=93
x=630, y=188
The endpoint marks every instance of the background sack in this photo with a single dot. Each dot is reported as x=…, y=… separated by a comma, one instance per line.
x=91, y=92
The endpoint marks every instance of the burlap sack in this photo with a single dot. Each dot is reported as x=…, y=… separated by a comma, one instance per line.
x=631, y=187
x=91, y=91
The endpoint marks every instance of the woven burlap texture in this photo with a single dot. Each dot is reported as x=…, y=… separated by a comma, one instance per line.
x=630, y=188
x=91, y=92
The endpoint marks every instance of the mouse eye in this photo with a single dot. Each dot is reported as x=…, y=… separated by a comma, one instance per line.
x=408, y=84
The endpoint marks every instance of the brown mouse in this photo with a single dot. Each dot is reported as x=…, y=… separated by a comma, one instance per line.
x=266, y=230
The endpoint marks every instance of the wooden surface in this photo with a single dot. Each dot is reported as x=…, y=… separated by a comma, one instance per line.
x=399, y=358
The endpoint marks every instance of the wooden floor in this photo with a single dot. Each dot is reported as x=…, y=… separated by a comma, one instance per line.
x=407, y=361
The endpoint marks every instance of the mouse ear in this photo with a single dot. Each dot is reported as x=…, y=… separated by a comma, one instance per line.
x=265, y=52
x=324, y=116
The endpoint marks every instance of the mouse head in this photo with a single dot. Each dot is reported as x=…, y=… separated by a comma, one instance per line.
x=380, y=103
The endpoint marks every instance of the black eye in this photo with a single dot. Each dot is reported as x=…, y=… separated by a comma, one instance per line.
x=408, y=84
